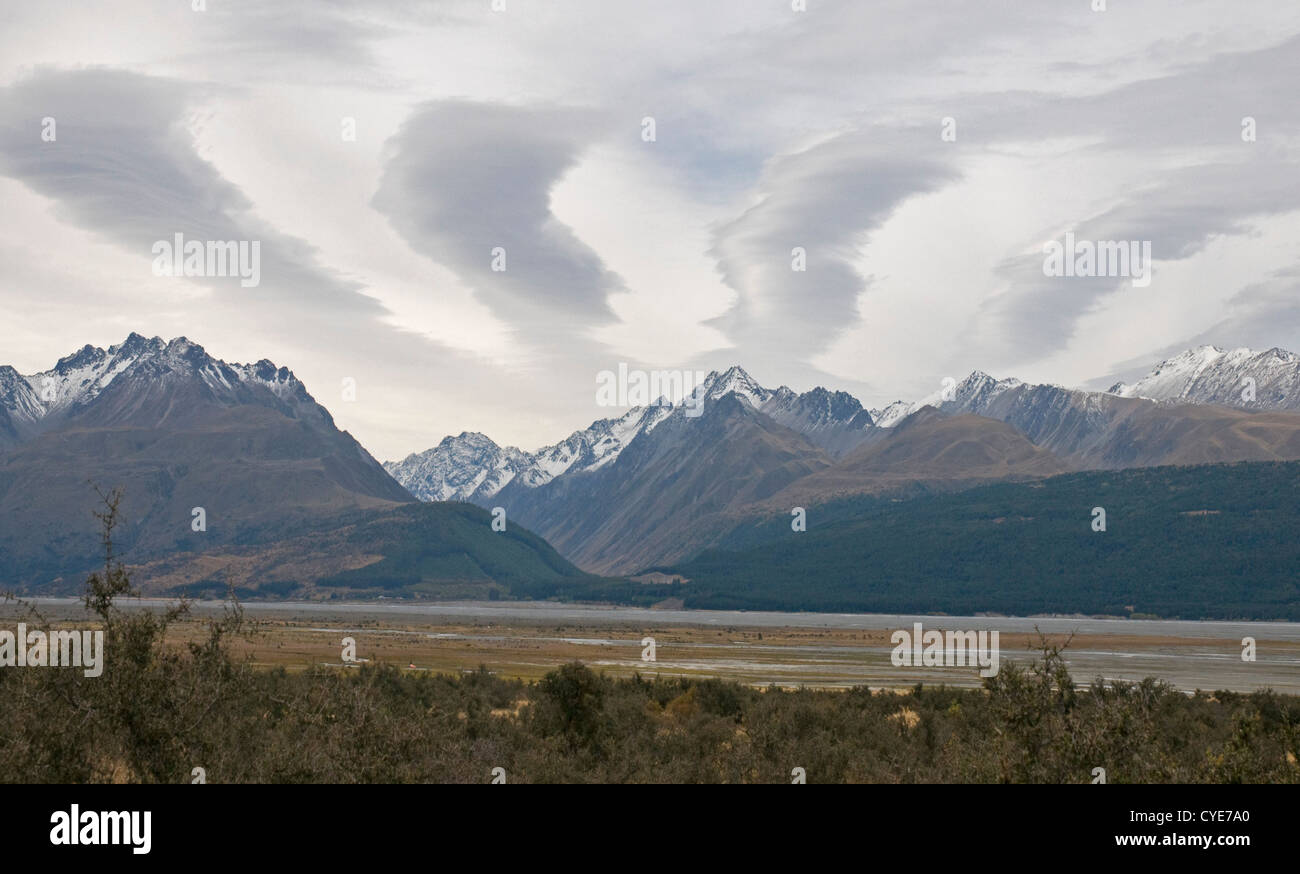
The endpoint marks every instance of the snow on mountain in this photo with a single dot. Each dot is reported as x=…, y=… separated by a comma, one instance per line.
x=458, y=468
x=78, y=379
x=471, y=466
x=891, y=414
x=1210, y=375
x=973, y=394
x=601, y=443
x=735, y=379
x=815, y=409
x=176, y=429
x=279, y=380
x=833, y=420
x=593, y=447
x=467, y=468
x=17, y=397
x=32, y=403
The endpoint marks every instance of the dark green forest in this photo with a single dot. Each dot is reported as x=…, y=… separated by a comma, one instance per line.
x=1206, y=542
x=158, y=711
x=455, y=543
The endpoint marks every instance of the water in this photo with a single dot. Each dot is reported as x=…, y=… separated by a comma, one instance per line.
x=549, y=612
x=1188, y=654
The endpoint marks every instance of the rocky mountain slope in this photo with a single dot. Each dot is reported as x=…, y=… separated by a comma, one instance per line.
x=244, y=445
x=1210, y=375
x=596, y=498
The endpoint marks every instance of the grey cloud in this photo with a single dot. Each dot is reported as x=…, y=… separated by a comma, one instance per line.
x=1259, y=314
x=736, y=91
x=1194, y=106
x=1224, y=186
x=1180, y=215
x=826, y=200
x=124, y=166
x=1258, y=317
x=462, y=179
x=322, y=42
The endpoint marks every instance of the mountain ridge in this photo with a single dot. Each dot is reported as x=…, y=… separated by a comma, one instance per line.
x=981, y=429
x=837, y=421
x=231, y=474
x=1212, y=375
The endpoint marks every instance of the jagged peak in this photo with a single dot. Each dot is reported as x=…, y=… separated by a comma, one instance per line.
x=1211, y=374
x=476, y=438
x=136, y=344
x=979, y=377
x=737, y=380
x=735, y=371
x=183, y=346
x=79, y=378
x=733, y=374
x=83, y=357
x=835, y=396
x=264, y=370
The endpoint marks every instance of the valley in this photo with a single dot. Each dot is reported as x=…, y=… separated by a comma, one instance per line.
x=828, y=651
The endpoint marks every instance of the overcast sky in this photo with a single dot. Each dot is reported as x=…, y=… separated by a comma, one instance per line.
x=523, y=129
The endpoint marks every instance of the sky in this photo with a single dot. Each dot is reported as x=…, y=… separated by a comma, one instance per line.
x=647, y=171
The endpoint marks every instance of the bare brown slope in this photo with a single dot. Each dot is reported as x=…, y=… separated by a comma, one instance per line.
x=257, y=474
x=692, y=481
x=1158, y=434
x=1098, y=430
x=950, y=452
x=960, y=451
x=662, y=499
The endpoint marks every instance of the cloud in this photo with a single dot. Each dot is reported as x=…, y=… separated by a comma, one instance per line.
x=123, y=164
x=1179, y=216
x=1257, y=315
x=464, y=182
x=824, y=200
x=776, y=129
x=1179, y=138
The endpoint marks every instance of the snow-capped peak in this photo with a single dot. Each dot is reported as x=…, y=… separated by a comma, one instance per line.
x=1238, y=377
x=76, y=380
x=891, y=414
x=974, y=393
x=1171, y=377
x=466, y=467
x=472, y=467
x=735, y=379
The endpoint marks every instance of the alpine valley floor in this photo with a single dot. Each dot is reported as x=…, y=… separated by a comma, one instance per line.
x=526, y=640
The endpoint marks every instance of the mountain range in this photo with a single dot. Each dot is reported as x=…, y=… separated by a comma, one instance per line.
x=230, y=473
x=293, y=505
x=656, y=485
